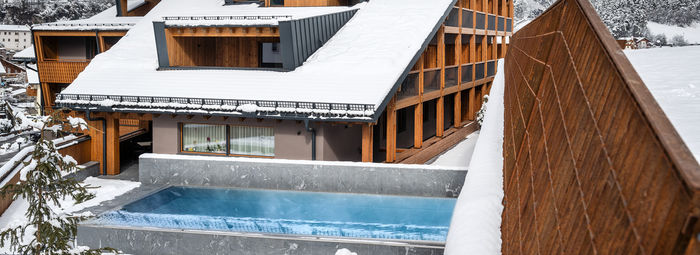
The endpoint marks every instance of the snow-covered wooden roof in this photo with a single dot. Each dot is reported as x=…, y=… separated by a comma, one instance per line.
x=356, y=70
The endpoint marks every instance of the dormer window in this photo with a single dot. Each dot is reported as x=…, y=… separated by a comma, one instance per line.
x=258, y=42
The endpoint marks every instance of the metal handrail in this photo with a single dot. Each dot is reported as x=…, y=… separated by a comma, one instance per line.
x=133, y=101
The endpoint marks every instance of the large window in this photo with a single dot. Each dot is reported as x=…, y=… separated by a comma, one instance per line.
x=204, y=138
x=228, y=140
x=257, y=141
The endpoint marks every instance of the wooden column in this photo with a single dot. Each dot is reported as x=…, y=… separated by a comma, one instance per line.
x=418, y=110
x=458, y=109
x=440, y=116
x=113, y=166
x=124, y=7
x=472, y=104
x=95, y=132
x=367, y=142
x=418, y=126
x=391, y=131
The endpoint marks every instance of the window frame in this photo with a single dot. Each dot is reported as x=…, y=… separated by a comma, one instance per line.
x=228, y=141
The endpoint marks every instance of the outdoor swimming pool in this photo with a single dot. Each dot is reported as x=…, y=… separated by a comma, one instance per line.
x=289, y=212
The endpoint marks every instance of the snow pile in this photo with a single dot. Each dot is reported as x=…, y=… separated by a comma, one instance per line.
x=357, y=66
x=672, y=76
x=460, y=155
x=476, y=222
x=104, y=190
x=691, y=33
x=344, y=251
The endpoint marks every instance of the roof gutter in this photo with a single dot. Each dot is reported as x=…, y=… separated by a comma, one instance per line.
x=378, y=112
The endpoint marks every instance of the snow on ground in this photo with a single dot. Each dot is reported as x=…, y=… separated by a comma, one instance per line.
x=691, y=33
x=476, y=221
x=460, y=155
x=344, y=252
x=672, y=76
x=106, y=190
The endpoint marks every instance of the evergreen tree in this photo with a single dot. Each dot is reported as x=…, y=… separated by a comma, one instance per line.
x=49, y=229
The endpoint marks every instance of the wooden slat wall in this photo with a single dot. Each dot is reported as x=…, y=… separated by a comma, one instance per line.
x=60, y=72
x=216, y=51
x=592, y=165
x=307, y=3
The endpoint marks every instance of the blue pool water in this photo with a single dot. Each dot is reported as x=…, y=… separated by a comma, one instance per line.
x=290, y=212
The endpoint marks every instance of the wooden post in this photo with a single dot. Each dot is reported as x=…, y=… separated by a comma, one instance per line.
x=113, y=166
x=367, y=142
x=95, y=131
x=124, y=7
x=418, y=126
x=458, y=109
x=472, y=103
x=391, y=131
x=440, y=117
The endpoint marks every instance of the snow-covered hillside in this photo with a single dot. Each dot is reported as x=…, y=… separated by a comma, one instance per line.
x=690, y=33
x=672, y=76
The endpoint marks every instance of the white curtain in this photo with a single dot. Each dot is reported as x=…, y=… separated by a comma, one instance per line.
x=256, y=141
x=204, y=138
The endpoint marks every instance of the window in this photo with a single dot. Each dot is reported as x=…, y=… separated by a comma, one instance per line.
x=270, y=55
x=242, y=140
x=276, y=2
x=255, y=141
x=204, y=138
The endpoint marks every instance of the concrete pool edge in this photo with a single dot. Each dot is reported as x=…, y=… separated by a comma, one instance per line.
x=299, y=175
x=136, y=240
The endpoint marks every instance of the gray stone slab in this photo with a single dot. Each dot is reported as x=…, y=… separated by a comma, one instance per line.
x=162, y=241
x=319, y=176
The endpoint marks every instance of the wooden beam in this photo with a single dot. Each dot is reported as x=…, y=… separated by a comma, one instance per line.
x=65, y=33
x=458, y=109
x=113, y=166
x=418, y=126
x=224, y=32
x=391, y=131
x=367, y=142
x=440, y=117
x=471, y=110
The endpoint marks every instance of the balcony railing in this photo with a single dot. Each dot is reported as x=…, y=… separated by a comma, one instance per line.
x=453, y=19
x=431, y=80
x=492, y=22
x=501, y=24
x=61, y=71
x=480, y=20
x=409, y=87
x=467, y=72
x=479, y=70
x=467, y=18
x=451, y=76
x=491, y=68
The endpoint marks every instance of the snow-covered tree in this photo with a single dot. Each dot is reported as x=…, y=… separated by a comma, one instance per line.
x=20, y=12
x=49, y=229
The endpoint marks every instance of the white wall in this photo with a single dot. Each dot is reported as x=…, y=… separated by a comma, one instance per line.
x=15, y=39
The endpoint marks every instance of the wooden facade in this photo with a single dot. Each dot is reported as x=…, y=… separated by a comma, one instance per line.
x=592, y=164
x=218, y=47
x=452, y=75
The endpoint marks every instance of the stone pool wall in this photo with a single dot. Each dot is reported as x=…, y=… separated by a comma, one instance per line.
x=298, y=175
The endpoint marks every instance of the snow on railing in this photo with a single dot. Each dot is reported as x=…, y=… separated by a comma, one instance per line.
x=214, y=106
x=232, y=17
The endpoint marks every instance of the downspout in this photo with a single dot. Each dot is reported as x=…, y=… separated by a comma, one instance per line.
x=104, y=140
x=313, y=138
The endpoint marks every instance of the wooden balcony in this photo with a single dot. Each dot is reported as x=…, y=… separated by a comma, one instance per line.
x=61, y=71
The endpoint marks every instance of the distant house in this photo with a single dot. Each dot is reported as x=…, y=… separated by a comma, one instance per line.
x=633, y=43
x=15, y=37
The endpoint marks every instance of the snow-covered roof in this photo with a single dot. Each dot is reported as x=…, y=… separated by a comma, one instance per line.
x=32, y=76
x=19, y=28
x=360, y=65
x=2, y=68
x=671, y=75
x=105, y=20
x=27, y=53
